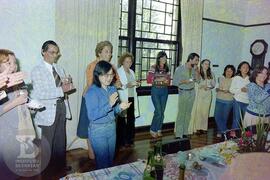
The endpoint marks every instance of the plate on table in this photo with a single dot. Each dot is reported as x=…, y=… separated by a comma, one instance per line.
x=203, y=172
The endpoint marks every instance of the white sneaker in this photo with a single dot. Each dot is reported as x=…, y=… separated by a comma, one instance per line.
x=159, y=133
x=153, y=134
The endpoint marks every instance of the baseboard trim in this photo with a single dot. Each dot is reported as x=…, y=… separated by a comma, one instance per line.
x=170, y=126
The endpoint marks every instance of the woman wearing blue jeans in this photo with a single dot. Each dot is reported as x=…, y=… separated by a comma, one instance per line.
x=159, y=77
x=224, y=101
x=239, y=90
x=102, y=104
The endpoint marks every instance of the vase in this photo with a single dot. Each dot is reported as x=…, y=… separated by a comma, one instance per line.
x=260, y=144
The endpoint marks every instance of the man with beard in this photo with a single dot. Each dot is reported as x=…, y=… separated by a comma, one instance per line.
x=184, y=78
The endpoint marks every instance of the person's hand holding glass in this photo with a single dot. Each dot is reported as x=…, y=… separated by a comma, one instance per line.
x=31, y=103
x=22, y=97
x=133, y=84
x=67, y=84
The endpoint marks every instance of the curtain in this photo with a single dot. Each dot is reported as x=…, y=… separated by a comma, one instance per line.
x=79, y=26
x=191, y=19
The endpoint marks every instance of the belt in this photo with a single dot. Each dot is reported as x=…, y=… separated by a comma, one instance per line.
x=160, y=86
x=60, y=99
x=186, y=89
x=256, y=114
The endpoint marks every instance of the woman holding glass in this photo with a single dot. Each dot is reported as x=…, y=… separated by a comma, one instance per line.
x=240, y=97
x=126, y=120
x=102, y=105
x=12, y=113
x=202, y=103
x=103, y=51
x=224, y=100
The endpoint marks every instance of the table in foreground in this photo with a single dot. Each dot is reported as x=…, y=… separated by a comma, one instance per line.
x=132, y=171
x=209, y=171
x=135, y=170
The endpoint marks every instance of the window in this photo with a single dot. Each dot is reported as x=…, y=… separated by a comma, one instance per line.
x=147, y=27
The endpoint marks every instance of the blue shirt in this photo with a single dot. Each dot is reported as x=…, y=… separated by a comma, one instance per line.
x=259, y=99
x=98, y=106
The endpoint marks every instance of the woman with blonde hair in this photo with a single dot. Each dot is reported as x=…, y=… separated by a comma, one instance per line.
x=15, y=119
x=126, y=120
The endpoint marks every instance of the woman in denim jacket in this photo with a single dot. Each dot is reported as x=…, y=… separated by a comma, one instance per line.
x=102, y=105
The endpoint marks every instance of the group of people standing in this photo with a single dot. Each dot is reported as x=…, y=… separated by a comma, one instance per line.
x=195, y=85
x=247, y=93
x=193, y=106
x=244, y=92
x=50, y=85
x=110, y=94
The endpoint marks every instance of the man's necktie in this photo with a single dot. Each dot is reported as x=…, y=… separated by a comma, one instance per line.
x=56, y=78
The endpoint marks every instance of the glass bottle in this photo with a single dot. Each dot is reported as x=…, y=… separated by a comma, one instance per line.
x=149, y=172
x=181, y=172
x=158, y=160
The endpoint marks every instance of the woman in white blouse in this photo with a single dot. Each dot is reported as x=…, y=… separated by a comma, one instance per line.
x=239, y=90
x=126, y=121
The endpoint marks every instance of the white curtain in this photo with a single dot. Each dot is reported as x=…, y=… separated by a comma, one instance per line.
x=79, y=26
x=191, y=17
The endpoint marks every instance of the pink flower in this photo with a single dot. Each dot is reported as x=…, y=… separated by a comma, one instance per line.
x=248, y=134
x=240, y=141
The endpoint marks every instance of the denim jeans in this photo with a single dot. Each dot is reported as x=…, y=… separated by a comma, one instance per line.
x=102, y=137
x=222, y=112
x=237, y=108
x=159, y=96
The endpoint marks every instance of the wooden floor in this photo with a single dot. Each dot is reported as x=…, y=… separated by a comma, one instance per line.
x=79, y=161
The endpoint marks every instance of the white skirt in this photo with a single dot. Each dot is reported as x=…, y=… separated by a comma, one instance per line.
x=250, y=119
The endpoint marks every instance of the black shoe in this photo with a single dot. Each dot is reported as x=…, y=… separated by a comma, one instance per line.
x=185, y=136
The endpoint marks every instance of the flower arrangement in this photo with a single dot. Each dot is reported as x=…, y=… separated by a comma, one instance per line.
x=246, y=142
x=249, y=142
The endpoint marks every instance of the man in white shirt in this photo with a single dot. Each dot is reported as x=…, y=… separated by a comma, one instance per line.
x=48, y=88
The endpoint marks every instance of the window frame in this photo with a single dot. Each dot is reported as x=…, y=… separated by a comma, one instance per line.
x=132, y=40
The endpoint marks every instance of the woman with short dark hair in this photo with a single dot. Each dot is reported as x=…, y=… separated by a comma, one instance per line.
x=103, y=52
x=224, y=100
x=259, y=97
x=102, y=105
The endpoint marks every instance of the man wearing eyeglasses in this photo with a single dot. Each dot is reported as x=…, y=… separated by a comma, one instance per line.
x=50, y=89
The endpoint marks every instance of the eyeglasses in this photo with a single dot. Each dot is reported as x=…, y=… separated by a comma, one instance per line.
x=54, y=52
x=109, y=75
